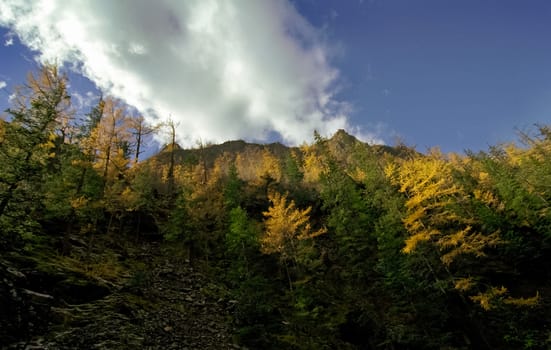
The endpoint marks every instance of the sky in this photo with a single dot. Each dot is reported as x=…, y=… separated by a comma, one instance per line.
x=458, y=74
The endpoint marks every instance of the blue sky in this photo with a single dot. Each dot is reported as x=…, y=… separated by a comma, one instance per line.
x=460, y=74
x=457, y=74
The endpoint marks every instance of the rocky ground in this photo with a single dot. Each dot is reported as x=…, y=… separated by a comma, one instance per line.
x=153, y=300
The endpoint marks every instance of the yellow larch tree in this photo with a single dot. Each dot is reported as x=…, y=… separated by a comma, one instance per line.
x=46, y=81
x=313, y=164
x=110, y=140
x=258, y=166
x=286, y=225
x=431, y=194
x=247, y=162
x=269, y=167
x=437, y=213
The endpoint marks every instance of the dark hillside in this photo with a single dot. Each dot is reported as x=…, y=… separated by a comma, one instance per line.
x=210, y=153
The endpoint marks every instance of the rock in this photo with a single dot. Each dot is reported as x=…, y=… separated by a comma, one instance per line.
x=15, y=273
x=38, y=298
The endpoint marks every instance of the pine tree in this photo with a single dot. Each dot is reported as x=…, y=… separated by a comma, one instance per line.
x=28, y=139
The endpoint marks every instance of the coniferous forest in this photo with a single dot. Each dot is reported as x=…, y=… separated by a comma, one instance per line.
x=332, y=245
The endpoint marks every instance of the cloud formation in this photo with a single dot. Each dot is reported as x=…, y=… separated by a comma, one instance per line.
x=224, y=69
x=3, y=84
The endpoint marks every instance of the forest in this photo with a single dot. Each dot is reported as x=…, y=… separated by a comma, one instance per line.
x=336, y=244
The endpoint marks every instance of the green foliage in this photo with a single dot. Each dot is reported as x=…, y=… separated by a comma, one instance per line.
x=242, y=234
x=253, y=292
x=27, y=147
x=178, y=224
x=255, y=312
x=233, y=189
x=241, y=244
x=292, y=172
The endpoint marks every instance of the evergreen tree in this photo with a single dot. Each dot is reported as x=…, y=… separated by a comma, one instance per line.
x=27, y=145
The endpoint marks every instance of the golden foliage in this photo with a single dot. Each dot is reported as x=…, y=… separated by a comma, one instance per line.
x=428, y=185
x=523, y=302
x=106, y=141
x=413, y=240
x=431, y=192
x=2, y=130
x=313, y=164
x=359, y=175
x=129, y=198
x=269, y=166
x=464, y=284
x=488, y=298
x=474, y=244
x=79, y=202
x=488, y=198
x=514, y=154
x=256, y=165
x=284, y=224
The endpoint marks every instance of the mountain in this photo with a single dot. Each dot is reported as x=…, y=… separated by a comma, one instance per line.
x=341, y=145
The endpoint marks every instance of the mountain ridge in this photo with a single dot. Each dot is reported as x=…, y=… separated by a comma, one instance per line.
x=341, y=141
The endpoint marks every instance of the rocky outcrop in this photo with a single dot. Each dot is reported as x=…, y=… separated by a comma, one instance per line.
x=23, y=312
x=165, y=304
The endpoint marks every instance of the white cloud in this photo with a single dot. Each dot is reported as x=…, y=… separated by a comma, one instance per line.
x=83, y=102
x=3, y=84
x=9, y=38
x=223, y=69
x=372, y=135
